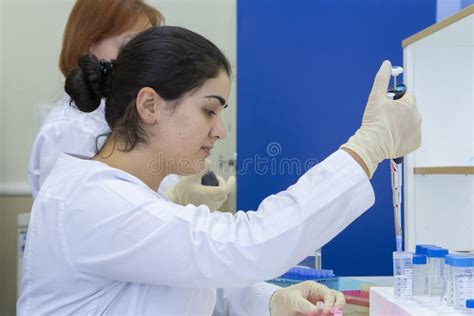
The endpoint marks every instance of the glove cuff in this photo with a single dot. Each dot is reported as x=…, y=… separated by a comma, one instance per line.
x=172, y=195
x=270, y=302
x=363, y=146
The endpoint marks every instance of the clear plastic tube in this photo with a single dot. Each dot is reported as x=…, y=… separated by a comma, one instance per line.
x=463, y=278
x=419, y=274
x=447, y=284
x=403, y=274
x=435, y=270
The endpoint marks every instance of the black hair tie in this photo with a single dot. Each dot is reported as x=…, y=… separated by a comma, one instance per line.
x=106, y=67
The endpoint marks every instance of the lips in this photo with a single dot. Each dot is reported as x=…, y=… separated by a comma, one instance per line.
x=207, y=149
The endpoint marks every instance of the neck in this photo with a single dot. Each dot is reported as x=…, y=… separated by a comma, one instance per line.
x=137, y=162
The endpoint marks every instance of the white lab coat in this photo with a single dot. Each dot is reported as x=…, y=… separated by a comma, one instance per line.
x=69, y=130
x=101, y=242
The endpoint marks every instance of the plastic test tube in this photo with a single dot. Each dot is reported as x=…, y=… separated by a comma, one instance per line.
x=403, y=274
x=435, y=270
x=334, y=311
x=448, y=288
x=320, y=307
x=447, y=295
x=419, y=274
x=463, y=280
x=337, y=312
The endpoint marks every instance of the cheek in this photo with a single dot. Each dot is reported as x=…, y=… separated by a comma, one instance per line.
x=192, y=134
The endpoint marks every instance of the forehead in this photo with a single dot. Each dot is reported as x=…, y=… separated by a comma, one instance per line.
x=219, y=85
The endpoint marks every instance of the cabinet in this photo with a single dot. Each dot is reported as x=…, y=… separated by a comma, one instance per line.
x=439, y=177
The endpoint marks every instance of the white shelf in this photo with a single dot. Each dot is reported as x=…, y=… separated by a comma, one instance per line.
x=466, y=170
x=383, y=302
x=438, y=182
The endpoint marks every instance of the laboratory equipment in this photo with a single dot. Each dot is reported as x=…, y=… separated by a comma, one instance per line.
x=470, y=307
x=419, y=274
x=336, y=312
x=447, y=295
x=421, y=248
x=448, y=282
x=435, y=269
x=403, y=274
x=402, y=261
x=318, y=263
x=463, y=280
x=210, y=179
x=304, y=273
x=357, y=297
x=320, y=307
x=313, y=261
x=396, y=164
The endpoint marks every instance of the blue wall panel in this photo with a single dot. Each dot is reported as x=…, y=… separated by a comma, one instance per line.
x=305, y=69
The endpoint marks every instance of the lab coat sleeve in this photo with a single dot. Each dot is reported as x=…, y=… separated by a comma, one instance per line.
x=167, y=183
x=149, y=240
x=252, y=300
x=52, y=140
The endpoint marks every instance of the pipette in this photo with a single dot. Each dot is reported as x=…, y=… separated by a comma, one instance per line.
x=396, y=165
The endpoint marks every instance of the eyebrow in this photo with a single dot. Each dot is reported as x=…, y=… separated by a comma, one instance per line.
x=220, y=99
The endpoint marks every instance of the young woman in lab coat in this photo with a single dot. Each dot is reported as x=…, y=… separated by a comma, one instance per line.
x=102, y=28
x=102, y=240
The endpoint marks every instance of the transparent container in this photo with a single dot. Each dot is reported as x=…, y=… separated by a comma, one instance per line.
x=403, y=274
x=435, y=270
x=419, y=274
x=448, y=289
x=463, y=278
x=318, y=264
x=447, y=295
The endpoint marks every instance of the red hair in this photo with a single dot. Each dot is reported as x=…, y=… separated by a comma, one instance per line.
x=90, y=21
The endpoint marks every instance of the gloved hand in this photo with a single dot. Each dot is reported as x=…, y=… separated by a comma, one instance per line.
x=189, y=190
x=390, y=128
x=301, y=299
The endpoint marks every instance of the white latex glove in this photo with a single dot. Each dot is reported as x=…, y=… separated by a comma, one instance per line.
x=390, y=128
x=189, y=190
x=301, y=299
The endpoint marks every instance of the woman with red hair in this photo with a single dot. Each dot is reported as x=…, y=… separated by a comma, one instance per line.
x=103, y=27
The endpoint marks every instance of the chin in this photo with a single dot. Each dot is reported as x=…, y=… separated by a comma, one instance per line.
x=198, y=166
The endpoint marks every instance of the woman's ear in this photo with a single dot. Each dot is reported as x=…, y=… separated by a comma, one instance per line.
x=148, y=103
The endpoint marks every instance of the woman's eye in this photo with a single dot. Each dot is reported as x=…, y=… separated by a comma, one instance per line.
x=210, y=113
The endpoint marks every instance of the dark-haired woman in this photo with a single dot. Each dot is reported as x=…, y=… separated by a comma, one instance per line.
x=103, y=241
x=102, y=27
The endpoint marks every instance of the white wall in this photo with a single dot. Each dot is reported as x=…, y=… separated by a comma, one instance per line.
x=30, y=37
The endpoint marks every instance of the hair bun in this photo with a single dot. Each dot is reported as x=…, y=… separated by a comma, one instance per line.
x=87, y=84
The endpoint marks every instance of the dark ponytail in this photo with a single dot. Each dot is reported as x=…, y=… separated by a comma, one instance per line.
x=171, y=60
x=88, y=84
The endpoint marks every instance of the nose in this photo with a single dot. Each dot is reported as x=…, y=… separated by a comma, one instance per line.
x=218, y=129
